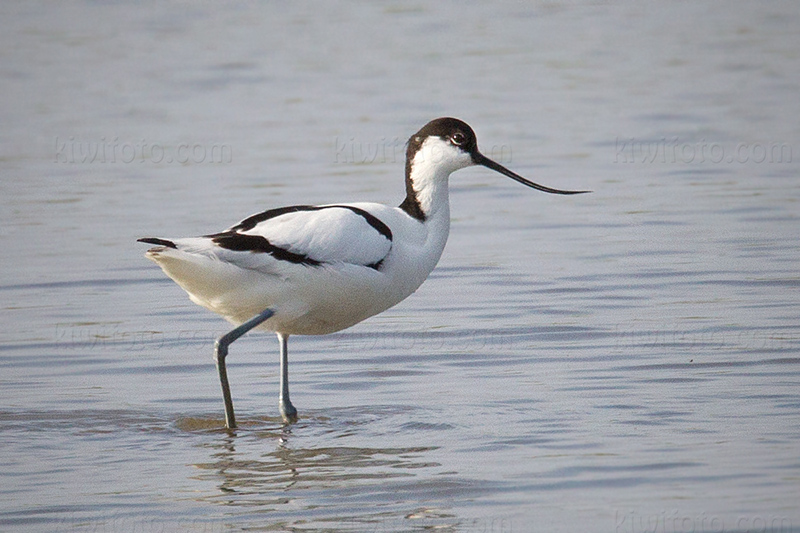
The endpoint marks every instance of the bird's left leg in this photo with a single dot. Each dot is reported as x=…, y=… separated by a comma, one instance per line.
x=221, y=351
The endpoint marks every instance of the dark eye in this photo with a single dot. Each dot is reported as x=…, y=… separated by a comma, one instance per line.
x=458, y=138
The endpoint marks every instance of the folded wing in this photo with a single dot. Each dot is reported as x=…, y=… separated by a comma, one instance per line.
x=310, y=235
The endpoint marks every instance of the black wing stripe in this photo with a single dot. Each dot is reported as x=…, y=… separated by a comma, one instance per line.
x=237, y=242
x=230, y=240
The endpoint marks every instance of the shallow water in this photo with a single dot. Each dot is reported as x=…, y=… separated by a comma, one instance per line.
x=623, y=361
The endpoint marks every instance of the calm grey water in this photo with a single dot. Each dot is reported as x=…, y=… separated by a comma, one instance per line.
x=622, y=361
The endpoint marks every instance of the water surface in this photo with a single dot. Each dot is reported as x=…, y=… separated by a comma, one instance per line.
x=623, y=361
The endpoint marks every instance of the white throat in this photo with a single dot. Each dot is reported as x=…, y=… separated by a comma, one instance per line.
x=431, y=167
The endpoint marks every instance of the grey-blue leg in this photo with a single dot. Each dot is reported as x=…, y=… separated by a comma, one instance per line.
x=221, y=351
x=288, y=412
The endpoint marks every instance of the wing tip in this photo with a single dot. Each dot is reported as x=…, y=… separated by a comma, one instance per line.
x=158, y=242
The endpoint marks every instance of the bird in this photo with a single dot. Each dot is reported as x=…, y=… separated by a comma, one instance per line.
x=318, y=269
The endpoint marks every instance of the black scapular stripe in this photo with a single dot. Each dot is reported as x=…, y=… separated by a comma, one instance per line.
x=252, y=221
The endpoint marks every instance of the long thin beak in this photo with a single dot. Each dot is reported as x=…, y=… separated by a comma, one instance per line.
x=481, y=159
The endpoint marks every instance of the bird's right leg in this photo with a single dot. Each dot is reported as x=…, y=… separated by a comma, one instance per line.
x=221, y=351
x=288, y=411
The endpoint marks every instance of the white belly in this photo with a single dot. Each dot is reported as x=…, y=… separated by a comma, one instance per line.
x=307, y=300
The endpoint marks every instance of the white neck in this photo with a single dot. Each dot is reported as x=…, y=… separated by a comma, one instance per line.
x=429, y=171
